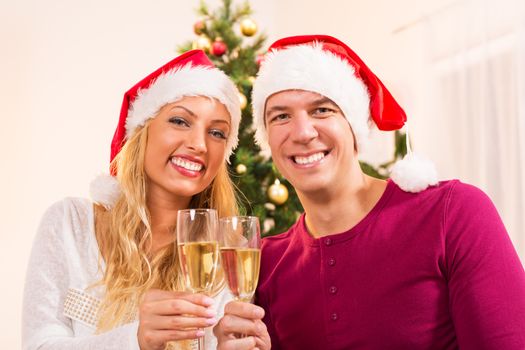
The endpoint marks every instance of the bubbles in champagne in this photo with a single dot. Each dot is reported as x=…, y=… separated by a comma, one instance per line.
x=241, y=269
x=199, y=264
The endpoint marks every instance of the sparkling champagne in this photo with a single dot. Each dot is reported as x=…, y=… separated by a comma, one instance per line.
x=241, y=269
x=199, y=264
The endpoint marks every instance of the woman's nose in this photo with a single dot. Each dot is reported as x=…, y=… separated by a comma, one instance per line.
x=197, y=140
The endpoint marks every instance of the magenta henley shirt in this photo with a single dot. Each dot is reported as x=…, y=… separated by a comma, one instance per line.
x=433, y=270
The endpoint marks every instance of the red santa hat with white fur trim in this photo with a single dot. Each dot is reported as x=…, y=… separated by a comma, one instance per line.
x=190, y=74
x=327, y=66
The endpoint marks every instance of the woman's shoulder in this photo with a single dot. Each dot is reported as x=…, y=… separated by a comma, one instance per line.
x=66, y=216
x=68, y=206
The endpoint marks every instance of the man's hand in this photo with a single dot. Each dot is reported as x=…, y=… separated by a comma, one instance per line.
x=244, y=319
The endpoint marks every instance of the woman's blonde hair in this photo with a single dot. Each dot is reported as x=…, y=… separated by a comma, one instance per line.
x=131, y=269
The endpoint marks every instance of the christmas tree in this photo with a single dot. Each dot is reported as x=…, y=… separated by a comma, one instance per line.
x=232, y=40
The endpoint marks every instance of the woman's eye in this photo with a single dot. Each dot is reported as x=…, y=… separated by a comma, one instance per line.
x=218, y=134
x=179, y=121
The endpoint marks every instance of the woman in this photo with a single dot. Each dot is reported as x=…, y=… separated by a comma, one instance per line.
x=105, y=275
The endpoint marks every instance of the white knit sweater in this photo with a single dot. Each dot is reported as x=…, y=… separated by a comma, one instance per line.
x=59, y=306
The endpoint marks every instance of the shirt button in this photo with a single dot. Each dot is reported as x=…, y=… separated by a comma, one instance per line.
x=331, y=261
x=328, y=241
x=334, y=316
x=333, y=289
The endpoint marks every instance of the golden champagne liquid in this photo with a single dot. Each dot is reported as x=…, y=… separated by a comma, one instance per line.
x=199, y=264
x=241, y=269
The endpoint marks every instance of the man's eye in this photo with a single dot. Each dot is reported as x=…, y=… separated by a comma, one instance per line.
x=323, y=110
x=279, y=117
x=179, y=121
x=218, y=134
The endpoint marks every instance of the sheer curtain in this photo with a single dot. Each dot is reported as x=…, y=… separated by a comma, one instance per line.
x=474, y=52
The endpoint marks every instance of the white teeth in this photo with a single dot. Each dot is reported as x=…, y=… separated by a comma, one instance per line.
x=186, y=164
x=310, y=159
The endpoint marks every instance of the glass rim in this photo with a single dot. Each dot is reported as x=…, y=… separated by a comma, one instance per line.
x=229, y=218
x=197, y=210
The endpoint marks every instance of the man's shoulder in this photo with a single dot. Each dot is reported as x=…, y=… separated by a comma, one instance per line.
x=455, y=190
x=273, y=241
x=438, y=192
x=277, y=243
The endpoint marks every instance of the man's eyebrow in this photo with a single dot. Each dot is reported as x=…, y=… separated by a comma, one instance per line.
x=322, y=100
x=319, y=101
x=275, y=109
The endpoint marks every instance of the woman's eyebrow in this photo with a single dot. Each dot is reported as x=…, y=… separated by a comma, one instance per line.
x=223, y=121
x=184, y=108
x=190, y=112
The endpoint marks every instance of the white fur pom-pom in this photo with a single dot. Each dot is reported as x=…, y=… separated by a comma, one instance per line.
x=414, y=173
x=105, y=190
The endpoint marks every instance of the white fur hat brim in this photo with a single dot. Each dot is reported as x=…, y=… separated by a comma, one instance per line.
x=311, y=68
x=168, y=87
x=187, y=81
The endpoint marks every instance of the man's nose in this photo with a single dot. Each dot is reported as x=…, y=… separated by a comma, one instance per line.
x=303, y=128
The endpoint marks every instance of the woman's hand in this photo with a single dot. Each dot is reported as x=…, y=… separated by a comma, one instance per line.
x=166, y=316
x=246, y=319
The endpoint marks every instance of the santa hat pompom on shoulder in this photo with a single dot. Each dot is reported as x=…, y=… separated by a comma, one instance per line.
x=414, y=173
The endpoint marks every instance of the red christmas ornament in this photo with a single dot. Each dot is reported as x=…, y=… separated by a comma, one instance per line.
x=218, y=47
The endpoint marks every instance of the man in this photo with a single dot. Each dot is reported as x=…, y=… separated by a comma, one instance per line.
x=408, y=263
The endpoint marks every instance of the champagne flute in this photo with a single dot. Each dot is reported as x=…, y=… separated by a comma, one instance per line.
x=241, y=254
x=198, y=248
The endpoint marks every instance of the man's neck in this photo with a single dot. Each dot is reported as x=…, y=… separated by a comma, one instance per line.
x=336, y=211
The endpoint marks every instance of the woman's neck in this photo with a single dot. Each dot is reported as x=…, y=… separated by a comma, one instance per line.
x=163, y=216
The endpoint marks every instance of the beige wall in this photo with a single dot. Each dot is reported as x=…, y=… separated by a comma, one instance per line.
x=64, y=68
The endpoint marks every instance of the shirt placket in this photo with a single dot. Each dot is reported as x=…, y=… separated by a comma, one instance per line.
x=330, y=277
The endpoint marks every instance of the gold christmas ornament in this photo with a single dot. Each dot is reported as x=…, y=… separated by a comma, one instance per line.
x=241, y=169
x=242, y=100
x=248, y=27
x=251, y=79
x=278, y=193
x=202, y=43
